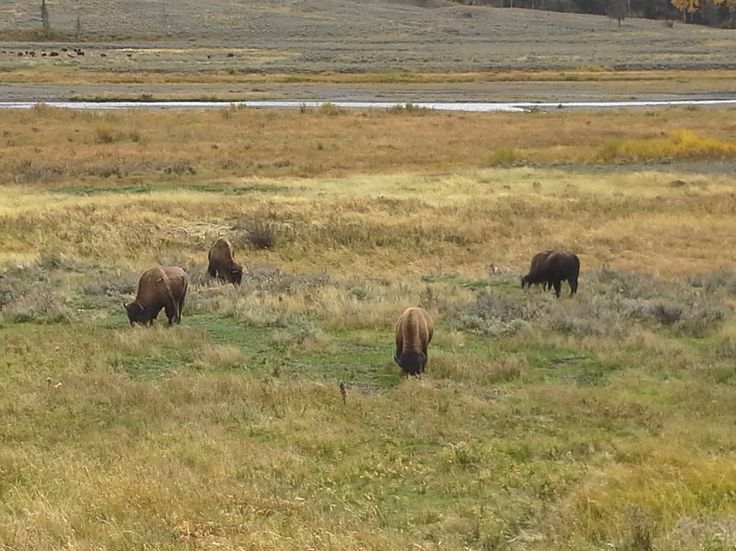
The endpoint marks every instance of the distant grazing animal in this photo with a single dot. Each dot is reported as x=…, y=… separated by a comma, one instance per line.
x=537, y=261
x=413, y=334
x=557, y=267
x=160, y=287
x=221, y=262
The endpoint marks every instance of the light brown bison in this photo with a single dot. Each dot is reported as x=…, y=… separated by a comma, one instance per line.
x=537, y=261
x=413, y=334
x=221, y=262
x=160, y=287
x=557, y=267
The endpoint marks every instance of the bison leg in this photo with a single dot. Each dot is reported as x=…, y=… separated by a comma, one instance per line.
x=573, y=286
x=558, y=286
x=181, y=307
x=172, y=311
x=399, y=346
x=212, y=270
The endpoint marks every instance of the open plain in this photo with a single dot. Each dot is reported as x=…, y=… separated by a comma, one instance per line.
x=274, y=417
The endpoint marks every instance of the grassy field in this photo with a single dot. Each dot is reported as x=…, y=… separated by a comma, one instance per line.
x=603, y=421
x=359, y=36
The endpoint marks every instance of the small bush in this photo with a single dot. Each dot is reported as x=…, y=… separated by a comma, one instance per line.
x=620, y=299
x=727, y=349
x=492, y=314
x=408, y=108
x=610, y=303
x=114, y=287
x=260, y=233
x=179, y=168
x=715, y=281
x=41, y=306
x=18, y=280
x=104, y=135
x=49, y=261
x=504, y=156
x=26, y=172
x=641, y=530
x=330, y=109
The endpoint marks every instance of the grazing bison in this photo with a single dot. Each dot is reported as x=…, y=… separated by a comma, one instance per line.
x=558, y=266
x=530, y=278
x=413, y=334
x=222, y=265
x=160, y=287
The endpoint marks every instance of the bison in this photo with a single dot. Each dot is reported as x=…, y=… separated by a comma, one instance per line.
x=221, y=262
x=558, y=266
x=413, y=334
x=537, y=261
x=160, y=287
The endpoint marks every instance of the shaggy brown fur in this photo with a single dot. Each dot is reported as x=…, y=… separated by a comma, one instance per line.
x=413, y=334
x=537, y=261
x=160, y=287
x=221, y=262
x=561, y=265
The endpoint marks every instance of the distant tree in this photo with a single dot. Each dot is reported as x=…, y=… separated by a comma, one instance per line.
x=709, y=12
x=720, y=12
x=652, y=8
x=45, y=23
x=687, y=7
x=617, y=9
x=591, y=6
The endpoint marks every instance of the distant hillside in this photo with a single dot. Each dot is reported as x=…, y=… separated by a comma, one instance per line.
x=363, y=35
x=717, y=13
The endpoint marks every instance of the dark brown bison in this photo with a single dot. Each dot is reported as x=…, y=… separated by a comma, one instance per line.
x=557, y=267
x=537, y=261
x=160, y=287
x=413, y=334
x=221, y=262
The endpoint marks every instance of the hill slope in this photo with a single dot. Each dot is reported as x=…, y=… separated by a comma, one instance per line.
x=384, y=35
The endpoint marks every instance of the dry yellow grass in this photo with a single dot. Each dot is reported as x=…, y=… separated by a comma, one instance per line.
x=598, y=421
x=62, y=148
x=185, y=178
x=46, y=73
x=456, y=222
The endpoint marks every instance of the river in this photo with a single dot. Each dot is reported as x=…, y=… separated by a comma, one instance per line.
x=475, y=107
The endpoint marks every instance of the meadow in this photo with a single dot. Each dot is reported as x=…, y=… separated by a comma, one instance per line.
x=601, y=421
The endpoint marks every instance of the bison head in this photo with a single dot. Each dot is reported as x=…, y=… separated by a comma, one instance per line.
x=236, y=274
x=412, y=363
x=524, y=282
x=136, y=313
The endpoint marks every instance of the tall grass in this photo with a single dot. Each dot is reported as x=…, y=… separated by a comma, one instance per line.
x=680, y=144
x=274, y=416
x=86, y=150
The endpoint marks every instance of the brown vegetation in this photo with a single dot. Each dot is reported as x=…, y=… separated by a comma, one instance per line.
x=108, y=149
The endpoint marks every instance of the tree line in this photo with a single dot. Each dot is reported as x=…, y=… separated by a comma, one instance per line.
x=719, y=13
